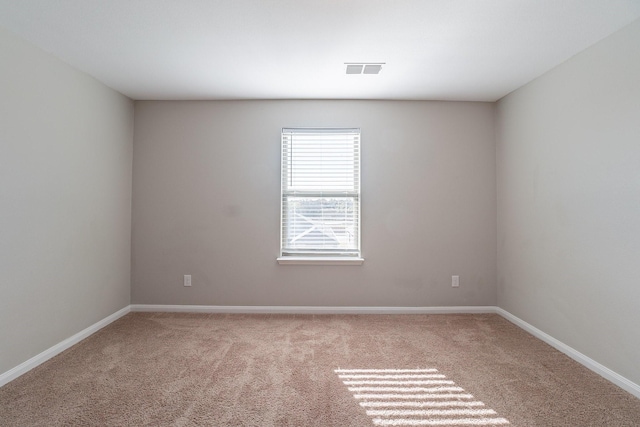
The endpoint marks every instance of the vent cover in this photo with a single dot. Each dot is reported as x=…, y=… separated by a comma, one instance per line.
x=363, y=67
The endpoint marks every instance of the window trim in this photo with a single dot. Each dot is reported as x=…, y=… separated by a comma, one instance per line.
x=319, y=260
x=309, y=258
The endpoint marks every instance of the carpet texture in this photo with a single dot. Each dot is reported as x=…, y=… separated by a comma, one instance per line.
x=157, y=369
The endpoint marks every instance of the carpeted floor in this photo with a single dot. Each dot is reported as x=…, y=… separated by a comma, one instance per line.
x=161, y=369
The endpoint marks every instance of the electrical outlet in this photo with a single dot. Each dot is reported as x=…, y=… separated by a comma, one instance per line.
x=455, y=281
x=187, y=280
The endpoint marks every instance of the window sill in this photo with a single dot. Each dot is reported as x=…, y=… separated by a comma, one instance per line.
x=290, y=260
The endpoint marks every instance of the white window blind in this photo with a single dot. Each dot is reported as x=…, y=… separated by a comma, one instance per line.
x=320, y=192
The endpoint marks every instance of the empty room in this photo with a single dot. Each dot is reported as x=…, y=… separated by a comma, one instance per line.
x=320, y=213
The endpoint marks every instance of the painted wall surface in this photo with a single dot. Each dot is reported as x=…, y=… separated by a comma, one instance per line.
x=568, y=157
x=65, y=201
x=206, y=193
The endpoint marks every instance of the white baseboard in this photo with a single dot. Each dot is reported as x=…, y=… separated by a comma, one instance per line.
x=38, y=359
x=596, y=367
x=309, y=309
x=591, y=364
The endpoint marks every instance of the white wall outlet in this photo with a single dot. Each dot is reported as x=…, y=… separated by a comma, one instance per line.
x=187, y=280
x=455, y=281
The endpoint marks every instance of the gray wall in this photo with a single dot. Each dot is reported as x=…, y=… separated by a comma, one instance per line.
x=65, y=201
x=206, y=191
x=568, y=156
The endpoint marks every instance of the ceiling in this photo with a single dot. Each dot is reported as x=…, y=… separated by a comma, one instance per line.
x=474, y=50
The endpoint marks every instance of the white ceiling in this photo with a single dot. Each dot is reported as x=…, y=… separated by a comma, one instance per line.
x=476, y=50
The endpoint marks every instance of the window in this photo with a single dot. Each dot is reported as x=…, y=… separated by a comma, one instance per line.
x=320, y=218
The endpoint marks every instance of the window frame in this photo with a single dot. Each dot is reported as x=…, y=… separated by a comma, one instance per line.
x=317, y=257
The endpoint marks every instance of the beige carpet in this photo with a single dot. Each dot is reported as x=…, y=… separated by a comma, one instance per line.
x=333, y=370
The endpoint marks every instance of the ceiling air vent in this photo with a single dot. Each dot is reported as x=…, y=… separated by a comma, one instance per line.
x=364, y=67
